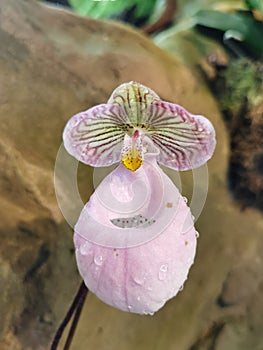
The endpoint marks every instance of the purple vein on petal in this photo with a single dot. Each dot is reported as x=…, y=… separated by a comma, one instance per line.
x=185, y=141
x=95, y=136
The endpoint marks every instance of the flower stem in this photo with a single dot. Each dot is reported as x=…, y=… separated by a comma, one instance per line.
x=74, y=310
x=165, y=19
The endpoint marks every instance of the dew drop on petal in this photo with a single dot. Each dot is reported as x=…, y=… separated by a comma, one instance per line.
x=181, y=288
x=138, y=280
x=84, y=249
x=129, y=307
x=98, y=260
x=163, y=272
x=196, y=234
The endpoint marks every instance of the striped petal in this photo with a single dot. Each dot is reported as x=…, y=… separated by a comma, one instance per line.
x=135, y=98
x=95, y=137
x=186, y=141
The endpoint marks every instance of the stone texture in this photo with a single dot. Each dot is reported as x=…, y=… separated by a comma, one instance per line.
x=52, y=65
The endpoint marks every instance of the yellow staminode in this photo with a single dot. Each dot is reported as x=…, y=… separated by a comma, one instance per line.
x=132, y=160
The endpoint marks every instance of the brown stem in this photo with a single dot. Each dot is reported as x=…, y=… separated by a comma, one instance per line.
x=75, y=308
x=165, y=19
x=75, y=319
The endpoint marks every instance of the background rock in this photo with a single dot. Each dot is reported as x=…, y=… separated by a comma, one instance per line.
x=52, y=65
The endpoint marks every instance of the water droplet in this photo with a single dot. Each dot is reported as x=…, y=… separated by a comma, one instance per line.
x=84, y=249
x=149, y=288
x=98, y=260
x=145, y=312
x=196, y=234
x=193, y=217
x=163, y=272
x=164, y=268
x=181, y=288
x=185, y=199
x=129, y=307
x=139, y=280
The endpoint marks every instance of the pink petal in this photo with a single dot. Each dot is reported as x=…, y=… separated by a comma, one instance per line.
x=95, y=136
x=137, y=268
x=139, y=279
x=124, y=193
x=186, y=141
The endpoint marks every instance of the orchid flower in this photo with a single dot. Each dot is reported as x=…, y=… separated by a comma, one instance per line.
x=135, y=239
x=118, y=131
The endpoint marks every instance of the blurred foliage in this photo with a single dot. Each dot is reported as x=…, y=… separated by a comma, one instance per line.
x=58, y=2
x=255, y=5
x=190, y=46
x=133, y=11
x=241, y=31
x=243, y=82
x=236, y=25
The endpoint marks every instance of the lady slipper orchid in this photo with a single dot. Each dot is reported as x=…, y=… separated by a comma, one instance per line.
x=135, y=239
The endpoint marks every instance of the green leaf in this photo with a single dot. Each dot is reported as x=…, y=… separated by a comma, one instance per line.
x=241, y=26
x=255, y=5
x=97, y=9
x=113, y=8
